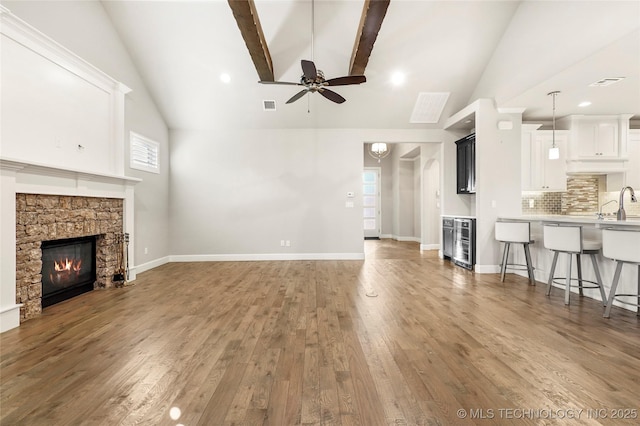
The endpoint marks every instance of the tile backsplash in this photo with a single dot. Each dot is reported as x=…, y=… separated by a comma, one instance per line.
x=541, y=203
x=581, y=197
x=584, y=196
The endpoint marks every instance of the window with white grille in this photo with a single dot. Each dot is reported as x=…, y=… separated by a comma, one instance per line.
x=144, y=153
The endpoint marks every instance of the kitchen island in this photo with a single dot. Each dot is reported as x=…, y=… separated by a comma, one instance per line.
x=592, y=230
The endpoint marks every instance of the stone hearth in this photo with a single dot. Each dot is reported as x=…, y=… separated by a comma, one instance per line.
x=51, y=217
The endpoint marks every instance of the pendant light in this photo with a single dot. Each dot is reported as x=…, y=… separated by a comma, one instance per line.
x=379, y=150
x=554, y=151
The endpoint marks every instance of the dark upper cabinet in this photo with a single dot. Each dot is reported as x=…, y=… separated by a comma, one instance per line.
x=466, y=164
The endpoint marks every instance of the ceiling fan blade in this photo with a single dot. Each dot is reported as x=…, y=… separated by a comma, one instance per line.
x=309, y=70
x=332, y=96
x=297, y=96
x=343, y=81
x=281, y=83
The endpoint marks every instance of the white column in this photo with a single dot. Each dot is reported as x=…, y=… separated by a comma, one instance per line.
x=9, y=310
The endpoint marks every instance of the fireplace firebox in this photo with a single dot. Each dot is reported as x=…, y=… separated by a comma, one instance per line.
x=68, y=268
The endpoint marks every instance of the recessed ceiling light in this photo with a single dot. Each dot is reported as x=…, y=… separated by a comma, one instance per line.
x=398, y=78
x=225, y=78
x=584, y=104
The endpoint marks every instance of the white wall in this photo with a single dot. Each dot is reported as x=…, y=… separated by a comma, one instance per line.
x=85, y=29
x=405, y=199
x=498, y=177
x=431, y=195
x=240, y=192
x=41, y=103
x=417, y=199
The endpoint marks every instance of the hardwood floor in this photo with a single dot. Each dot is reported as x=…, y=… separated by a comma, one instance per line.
x=300, y=342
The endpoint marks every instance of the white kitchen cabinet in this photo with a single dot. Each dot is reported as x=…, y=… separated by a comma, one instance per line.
x=539, y=172
x=597, y=143
x=598, y=138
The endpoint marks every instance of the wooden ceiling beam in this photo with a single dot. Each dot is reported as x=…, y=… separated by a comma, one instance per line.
x=244, y=11
x=373, y=13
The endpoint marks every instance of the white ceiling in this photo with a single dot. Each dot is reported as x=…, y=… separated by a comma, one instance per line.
x=515, y=52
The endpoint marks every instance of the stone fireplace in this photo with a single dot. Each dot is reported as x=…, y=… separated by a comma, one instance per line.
x=44, y=203
x=42, y=218
x=62, y=167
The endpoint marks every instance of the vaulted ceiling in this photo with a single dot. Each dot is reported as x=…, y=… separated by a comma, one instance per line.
x=515, y=52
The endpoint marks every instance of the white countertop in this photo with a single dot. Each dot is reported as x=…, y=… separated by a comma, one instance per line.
x=631, y=222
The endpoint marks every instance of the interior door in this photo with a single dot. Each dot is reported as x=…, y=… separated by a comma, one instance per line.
x=371, y=202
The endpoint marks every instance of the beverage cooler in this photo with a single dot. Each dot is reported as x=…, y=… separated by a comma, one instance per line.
x=464, y=243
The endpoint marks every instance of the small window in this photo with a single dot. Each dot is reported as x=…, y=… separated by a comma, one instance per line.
x=144, y=153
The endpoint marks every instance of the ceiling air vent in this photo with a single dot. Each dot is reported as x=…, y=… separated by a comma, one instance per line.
x=428, y=107
x=608, y=81
x=268, y=105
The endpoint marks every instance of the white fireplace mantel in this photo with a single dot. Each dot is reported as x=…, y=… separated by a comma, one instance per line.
x=18, y=177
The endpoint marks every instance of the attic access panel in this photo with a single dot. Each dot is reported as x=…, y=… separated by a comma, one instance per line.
x=428, y=107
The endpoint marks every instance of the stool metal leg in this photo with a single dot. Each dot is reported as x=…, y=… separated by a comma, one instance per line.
x=567, y=288
x=596, y=269
x=579, y=265
x=614, y=286
x=553, y=270
x=505, y=257
x=527, y=255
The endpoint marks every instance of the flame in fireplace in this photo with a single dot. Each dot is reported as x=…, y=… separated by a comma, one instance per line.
x=68, y=265
x=65, y=270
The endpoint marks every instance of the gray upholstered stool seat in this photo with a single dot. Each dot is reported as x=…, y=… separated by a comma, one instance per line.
x=568, y=239
x=623, y=246
x=515, y=233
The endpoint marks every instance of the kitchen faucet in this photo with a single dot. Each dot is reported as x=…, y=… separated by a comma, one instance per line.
x=600, y=214
x=621, y=215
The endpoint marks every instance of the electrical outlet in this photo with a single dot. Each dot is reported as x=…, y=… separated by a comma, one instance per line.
x=532, y=203
x=288, y=243
x=281, y=243
x=146, y=250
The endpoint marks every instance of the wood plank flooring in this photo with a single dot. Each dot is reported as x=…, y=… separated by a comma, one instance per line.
x=301, y=343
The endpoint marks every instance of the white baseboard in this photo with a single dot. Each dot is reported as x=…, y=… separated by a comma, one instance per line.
x=425, y=247
x=388, y=236
x=265, y=256
x=411, y=239
x=138, y=269
x=486, y=269
x=9, y=317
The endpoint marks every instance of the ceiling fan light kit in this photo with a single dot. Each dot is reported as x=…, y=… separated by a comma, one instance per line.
x=313, y=79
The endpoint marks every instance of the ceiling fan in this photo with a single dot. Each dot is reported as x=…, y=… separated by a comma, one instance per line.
x=313, y=80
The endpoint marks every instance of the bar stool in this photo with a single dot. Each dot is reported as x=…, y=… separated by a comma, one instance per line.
x=568, y=239
x=515, y=233
x=623, y=246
